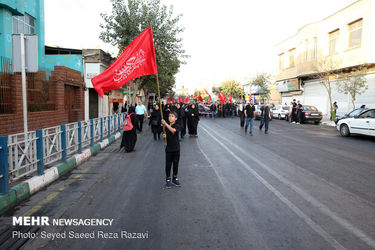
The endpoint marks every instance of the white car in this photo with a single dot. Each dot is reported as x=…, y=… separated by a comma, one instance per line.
x=363, y=124
x=279, y=111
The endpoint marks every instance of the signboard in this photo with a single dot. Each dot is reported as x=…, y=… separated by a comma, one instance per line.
x=282, y=86
x=91, y=75
x=31, y=53
x=293, y=84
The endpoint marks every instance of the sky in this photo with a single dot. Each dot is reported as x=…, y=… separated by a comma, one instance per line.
x=225, y=39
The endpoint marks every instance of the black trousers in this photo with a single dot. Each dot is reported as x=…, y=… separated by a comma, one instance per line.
x=242, y=118
x=171, y=158
x=265, y=122
x=140, y=122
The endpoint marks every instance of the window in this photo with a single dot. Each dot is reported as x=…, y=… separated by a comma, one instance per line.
x=306, y=50
x=333, y=41
x=23, y=24
x=315, y=51
x=291, y=58
x=355, y=33
x=368, y=114
x=281, y=62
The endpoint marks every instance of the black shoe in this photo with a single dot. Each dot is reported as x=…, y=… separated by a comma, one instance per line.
x=266, y=132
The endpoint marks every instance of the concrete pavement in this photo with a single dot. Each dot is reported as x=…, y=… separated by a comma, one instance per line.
x=300, y=187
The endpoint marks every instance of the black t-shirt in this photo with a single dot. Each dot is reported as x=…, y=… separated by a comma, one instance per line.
x=250, y=111
x=299, y=106
x=173, y=145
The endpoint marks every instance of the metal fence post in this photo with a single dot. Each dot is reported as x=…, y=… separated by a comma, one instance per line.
x=114, y=123
x=91, y=133
x=109, y=126
x=39, y=151
x=79, y=137
x=101, y=129
x=4, y=180
x=119, y=124
x=63, y=142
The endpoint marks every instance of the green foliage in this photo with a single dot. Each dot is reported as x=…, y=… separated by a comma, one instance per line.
x=232, y=87
x=262, y=81
x=216, y=90
x=353, y=83
x=129, y=18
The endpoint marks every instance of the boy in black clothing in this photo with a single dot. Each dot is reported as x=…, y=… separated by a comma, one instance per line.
x=172, y=151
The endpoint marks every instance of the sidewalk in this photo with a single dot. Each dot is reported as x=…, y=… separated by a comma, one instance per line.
x=327, y=122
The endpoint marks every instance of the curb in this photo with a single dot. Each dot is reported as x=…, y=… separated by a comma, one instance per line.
x=29, y=187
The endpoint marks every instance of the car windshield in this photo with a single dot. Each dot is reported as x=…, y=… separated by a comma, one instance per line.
x=285, y=108
x=311, y=108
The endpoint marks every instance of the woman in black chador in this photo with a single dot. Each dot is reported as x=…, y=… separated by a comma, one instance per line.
x=155, y=122
x=193, y=119
x=129, y=138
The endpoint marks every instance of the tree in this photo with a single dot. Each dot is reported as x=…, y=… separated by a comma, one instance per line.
x=353, y=83
x=232, y=87
x=215, y=90
x=261, y=81
x=326, y=69
x=128, y=19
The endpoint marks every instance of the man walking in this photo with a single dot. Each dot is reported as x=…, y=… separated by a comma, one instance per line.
x=140, y=111
x=213, y=110
x=265, y=117
x=249, y=113
x=241, y=113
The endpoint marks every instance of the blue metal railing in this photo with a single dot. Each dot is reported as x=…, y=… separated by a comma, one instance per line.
x=23, y=155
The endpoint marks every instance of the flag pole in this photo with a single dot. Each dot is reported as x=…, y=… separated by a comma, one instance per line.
x=160, y=107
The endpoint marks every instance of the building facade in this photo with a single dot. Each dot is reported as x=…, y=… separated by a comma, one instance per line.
x=54, y=92
x=344, y=40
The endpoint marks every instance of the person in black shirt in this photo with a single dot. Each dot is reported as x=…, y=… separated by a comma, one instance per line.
x=213, y=110
x=265, y=117
x=299, y=112
x=249, y=113
x=155, y=122
x=294, y=111
x=172, y=150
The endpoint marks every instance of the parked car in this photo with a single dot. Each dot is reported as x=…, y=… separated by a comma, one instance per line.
x=311, y=113
x=279, y=111
x=258, y=112
x=363, y=124
x=350, y=114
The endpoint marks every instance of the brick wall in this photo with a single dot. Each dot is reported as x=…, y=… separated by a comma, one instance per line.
x=61, y=76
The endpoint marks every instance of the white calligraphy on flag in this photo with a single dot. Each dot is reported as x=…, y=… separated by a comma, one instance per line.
x=131, y=64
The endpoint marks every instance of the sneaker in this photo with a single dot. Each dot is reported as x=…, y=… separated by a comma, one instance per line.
x=196, y=135
x=266, y=132
x=191, y=135
x=298, y=123
x=176, y=182
x=168, y=183
x=251, y=134
x=293, y=122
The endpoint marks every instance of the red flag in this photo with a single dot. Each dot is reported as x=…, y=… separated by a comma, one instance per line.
x=200, y=97
x=138, y=59
x=221, y=98
x=225, y=98
x=167, y=100
x=230, y=97
x=208, y=95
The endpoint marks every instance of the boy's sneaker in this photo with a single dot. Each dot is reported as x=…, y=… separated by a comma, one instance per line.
x=176, y=182
x=168, y=183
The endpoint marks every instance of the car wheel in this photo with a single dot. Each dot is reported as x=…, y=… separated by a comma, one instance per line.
x=344, y=130
x=279, y=116
x=317, y=122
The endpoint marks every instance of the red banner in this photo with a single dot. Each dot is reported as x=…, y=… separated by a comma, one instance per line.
x=200, y=97
x=138, y=59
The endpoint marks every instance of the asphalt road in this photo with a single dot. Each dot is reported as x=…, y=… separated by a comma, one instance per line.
x=299, y=187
